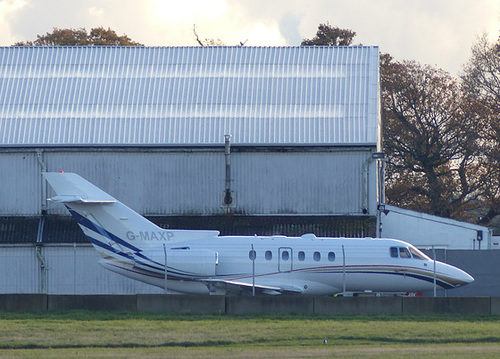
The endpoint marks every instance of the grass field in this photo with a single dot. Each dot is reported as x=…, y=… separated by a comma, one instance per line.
x=133, y=335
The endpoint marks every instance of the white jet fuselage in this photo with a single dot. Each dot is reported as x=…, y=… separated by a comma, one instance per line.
x=277, y=264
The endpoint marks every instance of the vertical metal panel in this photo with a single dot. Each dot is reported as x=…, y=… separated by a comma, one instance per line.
x=19, y=270
x=144, y=96
x=68, y=272
x=184, y=183
x=150, y=183
x=75, y=270
x=20, y=189
x=298, y=183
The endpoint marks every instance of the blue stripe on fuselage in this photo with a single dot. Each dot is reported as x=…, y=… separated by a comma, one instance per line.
x=96, y=228
x=159, y=266
x=108, y=248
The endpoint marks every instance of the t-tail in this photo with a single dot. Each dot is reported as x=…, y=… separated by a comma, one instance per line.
x=112, y=227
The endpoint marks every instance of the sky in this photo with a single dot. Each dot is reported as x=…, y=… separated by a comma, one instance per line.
x=435, y=32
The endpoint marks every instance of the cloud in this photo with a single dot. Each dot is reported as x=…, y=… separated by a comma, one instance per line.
x=181, y=11
x=289, y=27
x=96, y=12
x=8, y=12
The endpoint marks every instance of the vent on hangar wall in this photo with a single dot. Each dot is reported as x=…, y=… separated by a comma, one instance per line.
x=18, y=229
x=54, y=229
x=58, y=229
x=321, y=226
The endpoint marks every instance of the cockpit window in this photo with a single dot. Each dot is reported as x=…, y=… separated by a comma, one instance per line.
x=404, y=252
x=417, y=254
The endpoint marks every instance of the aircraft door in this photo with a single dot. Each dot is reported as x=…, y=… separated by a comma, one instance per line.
x=285, y=259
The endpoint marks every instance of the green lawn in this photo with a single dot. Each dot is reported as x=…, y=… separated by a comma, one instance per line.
x=132, y=335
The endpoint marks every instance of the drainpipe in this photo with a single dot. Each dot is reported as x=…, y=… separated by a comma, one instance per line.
x=39, y=255
x=41, y=223
x=39, y=156
x=381, y=192
x=43, y=269
x=228, y=196
x=366, y=177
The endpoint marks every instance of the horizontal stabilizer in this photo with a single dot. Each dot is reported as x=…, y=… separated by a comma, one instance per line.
x=71, y=188
x=78, y=199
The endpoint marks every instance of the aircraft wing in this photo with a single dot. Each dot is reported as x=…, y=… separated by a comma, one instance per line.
x=243, y=287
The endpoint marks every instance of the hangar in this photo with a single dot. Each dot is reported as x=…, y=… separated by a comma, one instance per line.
x=245, y=140
x=149, y=124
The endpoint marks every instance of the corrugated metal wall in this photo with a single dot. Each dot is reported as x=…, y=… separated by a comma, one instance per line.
x=69, y=270
x=20, y=272
x=20, y=184
x=151, y=183
x=298, y=182
x=191, y=182
x=97, y=95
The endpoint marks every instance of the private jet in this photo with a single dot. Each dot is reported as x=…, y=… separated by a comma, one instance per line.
x=203, y=262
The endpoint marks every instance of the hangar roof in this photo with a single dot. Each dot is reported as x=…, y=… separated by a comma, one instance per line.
x=177, y=96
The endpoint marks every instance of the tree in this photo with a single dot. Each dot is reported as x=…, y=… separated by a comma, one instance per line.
x=79, y=37
x=481, y=80
x=328, y=35
x=207, y=42
x=431, y=139
x=212, y=42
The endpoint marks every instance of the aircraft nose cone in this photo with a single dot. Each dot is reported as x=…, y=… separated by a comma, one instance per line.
x=469, y=278
x=455, y=277
x=463, y=278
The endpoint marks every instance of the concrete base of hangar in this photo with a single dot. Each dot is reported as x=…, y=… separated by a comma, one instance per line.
x=251, y=305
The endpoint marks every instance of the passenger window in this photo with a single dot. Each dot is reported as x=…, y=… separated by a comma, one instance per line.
x=331, y=256
x=404, y=252
x=269, y=255
x=285, y=255
x=317, y=256
x=394, y=252
x=252, y=255
x=302, y=256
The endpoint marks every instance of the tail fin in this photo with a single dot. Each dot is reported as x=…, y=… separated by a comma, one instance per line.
x=111, y=226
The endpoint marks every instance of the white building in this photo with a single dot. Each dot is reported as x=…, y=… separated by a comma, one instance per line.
x=426, y=231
